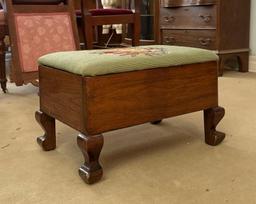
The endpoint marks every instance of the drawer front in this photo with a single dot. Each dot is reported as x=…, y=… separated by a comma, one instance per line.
x=203, y=17
x=175, y=3
x=192, y=38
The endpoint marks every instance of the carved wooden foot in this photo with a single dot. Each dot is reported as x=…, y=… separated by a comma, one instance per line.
x=156, y=122
x=91, y=146
x=48, y=140
x=212, y=117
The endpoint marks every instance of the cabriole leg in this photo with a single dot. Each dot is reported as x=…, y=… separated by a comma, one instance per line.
x=212, y=117
x=91, y=171
x=48, y=140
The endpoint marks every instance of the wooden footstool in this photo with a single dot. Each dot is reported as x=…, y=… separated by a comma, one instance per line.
x=101, y=90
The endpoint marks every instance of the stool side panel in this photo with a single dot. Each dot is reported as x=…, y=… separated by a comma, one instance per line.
x=61, y=96
x=122, y=100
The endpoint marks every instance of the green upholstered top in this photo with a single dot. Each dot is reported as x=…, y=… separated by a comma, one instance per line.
x=108, y=61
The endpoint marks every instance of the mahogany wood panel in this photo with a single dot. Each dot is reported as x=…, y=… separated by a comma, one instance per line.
x=122, y=100
x=61, y=96
x=188, y=17
x=234, y=24
x=191, y=38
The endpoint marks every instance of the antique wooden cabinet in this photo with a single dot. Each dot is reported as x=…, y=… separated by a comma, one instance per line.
x=221, y=25
x=149, y=22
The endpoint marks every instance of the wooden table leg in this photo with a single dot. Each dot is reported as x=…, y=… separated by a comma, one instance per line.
x=3, y=79
x=212, y=117
x=48, y=140
x=91, y=171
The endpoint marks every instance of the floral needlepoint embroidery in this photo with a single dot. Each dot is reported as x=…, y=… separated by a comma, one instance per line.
x=133, y=52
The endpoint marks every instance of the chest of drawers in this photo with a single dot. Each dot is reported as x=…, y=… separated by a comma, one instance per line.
x=220, y=25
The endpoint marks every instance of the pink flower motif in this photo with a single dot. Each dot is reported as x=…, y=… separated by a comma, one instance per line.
x=48, y=22
x=60, y=29
x=28, y=23
x=41, y=31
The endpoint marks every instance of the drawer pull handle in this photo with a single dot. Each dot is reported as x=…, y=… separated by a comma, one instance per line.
x=205, y=41
x=206, y=18
x=170, y=39
x=169, y=19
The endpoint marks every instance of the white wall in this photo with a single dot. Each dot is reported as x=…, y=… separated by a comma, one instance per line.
x=252, y=63
x=253, y=27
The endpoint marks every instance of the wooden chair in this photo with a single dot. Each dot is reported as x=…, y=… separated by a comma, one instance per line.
x=94, y=15
x=38, y=27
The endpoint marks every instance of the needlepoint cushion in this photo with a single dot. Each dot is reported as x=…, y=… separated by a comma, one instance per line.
x=109, y=61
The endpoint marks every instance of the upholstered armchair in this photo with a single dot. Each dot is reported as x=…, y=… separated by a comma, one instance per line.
x=94, y=14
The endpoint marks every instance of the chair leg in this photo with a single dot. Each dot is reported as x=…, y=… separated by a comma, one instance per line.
x=88, y=32
x=212, y=117
x=3, y=79
x=91, y=171
x=136, y=31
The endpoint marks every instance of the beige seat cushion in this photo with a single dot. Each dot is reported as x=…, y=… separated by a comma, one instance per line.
x=109, y=61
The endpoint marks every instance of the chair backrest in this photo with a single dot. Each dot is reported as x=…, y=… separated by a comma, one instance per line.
x=38, y=2
x=128, y=4
x=37, y=30
x=90, y=4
